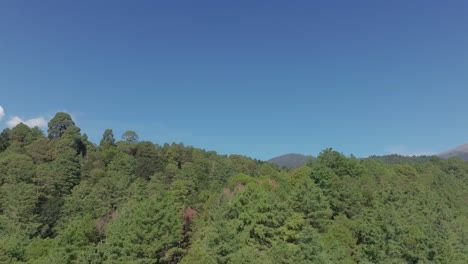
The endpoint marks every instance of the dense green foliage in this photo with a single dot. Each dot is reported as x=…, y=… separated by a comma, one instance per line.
x=64, y=199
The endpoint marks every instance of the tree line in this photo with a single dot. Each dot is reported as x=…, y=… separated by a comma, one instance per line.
x=64, y=199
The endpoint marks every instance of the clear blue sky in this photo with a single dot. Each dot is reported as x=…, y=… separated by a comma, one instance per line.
x=259, y=78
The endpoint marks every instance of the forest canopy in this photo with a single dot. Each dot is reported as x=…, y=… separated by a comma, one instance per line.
x=64, y=199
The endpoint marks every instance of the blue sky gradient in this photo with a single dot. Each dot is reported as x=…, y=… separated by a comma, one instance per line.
x=259, y=78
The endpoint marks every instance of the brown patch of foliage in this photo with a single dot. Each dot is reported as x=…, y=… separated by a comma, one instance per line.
x=228, y=193
x=189, y=214
x=273, y=183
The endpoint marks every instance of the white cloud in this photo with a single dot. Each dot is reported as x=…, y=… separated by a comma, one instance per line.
x=2, y=112
x=406, y=151
x=14, y=121
x=39, y=121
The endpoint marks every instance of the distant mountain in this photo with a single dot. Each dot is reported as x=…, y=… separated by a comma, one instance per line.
x=460, y=151
x=290, y=160
x=395, y=159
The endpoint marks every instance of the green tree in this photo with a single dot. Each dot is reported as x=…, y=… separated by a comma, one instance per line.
x=18, y=202
x=108, y=139
x=15, y=168
x=57, y=125
x=308, y=199
x=40, y=150
x=146, y=159
x=130, y=137
x=144, y=232
x=79, y=236
x=21, y=134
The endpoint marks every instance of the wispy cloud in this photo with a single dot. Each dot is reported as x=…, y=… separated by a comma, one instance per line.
x=39, y=121
x=15, y=120
x=2, y=112
x=407, y=151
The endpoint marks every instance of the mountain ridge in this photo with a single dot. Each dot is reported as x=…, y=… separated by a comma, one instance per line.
x=295, y=160
x=291, y=160
x=459, y=151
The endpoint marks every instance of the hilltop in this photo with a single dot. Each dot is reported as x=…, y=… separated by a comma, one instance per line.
x=291, y=160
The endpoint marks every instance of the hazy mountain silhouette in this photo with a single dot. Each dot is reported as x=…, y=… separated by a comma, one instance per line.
x=460, y=151
x=290, y=160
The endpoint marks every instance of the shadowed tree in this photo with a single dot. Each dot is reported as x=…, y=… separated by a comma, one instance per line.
x=5, y=139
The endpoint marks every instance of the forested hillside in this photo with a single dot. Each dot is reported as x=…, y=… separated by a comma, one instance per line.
x=64, y=199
